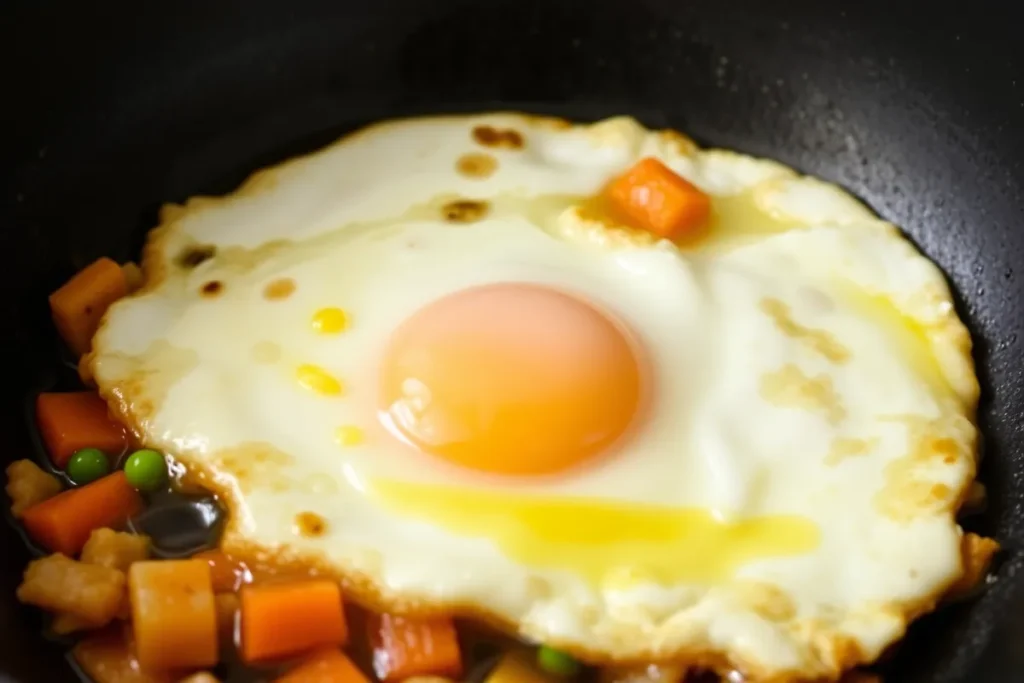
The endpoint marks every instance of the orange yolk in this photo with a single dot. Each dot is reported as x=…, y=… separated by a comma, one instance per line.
x=511, y=379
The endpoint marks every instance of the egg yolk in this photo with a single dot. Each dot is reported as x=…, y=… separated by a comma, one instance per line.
x=511, y=378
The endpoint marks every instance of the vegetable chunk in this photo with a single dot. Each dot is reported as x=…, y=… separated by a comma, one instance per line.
x=28, y=484
x=284, y=619
x=108, y=657
x=71, y=421
x=59, y=584
x=326, y=666
x=80, y=303
x=405, y=647
x=657, y=199
x=115, y=549
x=174, y=615
x=63, y=523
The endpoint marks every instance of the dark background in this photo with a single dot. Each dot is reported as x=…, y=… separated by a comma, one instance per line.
x=110, y=108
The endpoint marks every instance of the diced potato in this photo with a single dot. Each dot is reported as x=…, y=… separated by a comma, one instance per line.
x=28, y=484
x=66, y=623
x=174, y=616
x=115, y=549
x=108, y=657
x=201, y=677
x=59, y=584
x=651, y=673
x=106, y=548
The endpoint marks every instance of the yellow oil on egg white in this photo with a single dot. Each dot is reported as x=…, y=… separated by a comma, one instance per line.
x=602, y=540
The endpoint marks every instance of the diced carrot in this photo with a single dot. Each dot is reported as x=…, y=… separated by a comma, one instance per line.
x=63, y=523
x=325, y=666
x=75, y=420
x=228, y=573
x=655, y=198
x=80, y=303
x=404, y=647
x=174, y=615
x=285, y=619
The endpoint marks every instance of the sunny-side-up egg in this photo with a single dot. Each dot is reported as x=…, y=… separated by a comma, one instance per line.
x=425, y=360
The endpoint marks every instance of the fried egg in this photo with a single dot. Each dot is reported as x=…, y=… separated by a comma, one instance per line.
x=425, y=361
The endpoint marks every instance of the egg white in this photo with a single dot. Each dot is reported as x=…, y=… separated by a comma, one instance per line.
x=879, y=462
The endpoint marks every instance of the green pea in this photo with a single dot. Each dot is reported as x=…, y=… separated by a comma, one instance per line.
x=146, y=470
x=556, y=662
x=86, y=465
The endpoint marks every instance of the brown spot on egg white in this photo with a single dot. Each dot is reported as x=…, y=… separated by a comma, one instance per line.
x=279, y=289
x=464, y=210
x=255, y=464
x=310, y=525
x=489, y=136
x=910, y=489
x=191, y=257
x=789, y=387
x=843, y=449
x=817, y=340
x=476, y=165
x=211, y=289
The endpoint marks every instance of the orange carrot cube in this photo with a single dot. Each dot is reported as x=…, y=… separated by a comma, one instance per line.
x=72, y=421
x=63, y=523
x=404, y=647
x=80, y=303
x=284, y=619
x=653, y=197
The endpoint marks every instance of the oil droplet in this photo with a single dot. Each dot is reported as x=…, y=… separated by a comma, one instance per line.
x=329, y=320
x=318, y=380
x=348, y=435
x=282, y=288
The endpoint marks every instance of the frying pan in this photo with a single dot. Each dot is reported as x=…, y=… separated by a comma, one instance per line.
x=111, y=108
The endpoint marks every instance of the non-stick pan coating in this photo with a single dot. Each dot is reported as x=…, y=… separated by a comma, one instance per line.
x=110, y=108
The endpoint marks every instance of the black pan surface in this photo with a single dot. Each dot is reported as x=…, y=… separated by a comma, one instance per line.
x=111, y=108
